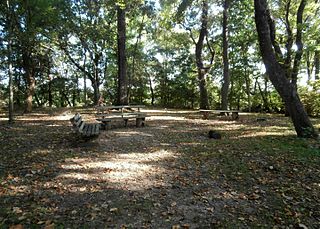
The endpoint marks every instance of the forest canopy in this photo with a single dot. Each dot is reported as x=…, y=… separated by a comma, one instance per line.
x=182, y=53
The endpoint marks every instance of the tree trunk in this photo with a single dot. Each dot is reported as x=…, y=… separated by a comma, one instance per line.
x=85, y=78
x=50, y=99
x=226, y=76
x=248, y=90
x=309, y=67
x=204, y=104
x=299, y=44
x=31, y=86
x=264, y=97
x=11, y=118
x=96, y=80
x=151, y=90
x=317, y=65
x=122, y=70
x=277, y=74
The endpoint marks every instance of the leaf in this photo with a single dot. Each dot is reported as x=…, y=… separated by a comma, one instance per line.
x=113, y=210
x=302, y=226
x=18, y=226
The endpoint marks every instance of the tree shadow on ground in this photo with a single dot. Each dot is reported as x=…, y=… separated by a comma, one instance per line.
x=167, y=173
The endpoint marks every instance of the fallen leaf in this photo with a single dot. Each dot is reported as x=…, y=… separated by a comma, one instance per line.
x=113, y=209
x=18, y=226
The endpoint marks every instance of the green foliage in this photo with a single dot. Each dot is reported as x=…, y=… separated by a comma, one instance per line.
x=310, y=97
x=159, y=49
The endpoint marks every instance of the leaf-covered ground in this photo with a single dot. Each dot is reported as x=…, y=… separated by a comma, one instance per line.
x=168, y=174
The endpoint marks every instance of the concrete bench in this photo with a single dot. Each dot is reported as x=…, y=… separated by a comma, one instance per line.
x=234, y=113
x=86, y=130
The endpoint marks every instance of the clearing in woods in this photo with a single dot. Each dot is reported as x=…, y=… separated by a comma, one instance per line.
x=166, y=174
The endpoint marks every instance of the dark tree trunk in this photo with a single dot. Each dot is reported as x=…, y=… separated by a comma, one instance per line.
x=204, y=104
x=226, y=76
x=122, y=69
x=11, y=118
x=151, y=90
x=309, y=67
x=317, y=65
x=85, y=78
x=299, y=44
x=277, y=74
x=289, y=42
x=264, y=97
x=50, y=99
x=96, y=80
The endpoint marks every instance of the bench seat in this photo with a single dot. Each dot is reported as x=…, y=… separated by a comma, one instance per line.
x=85, y=129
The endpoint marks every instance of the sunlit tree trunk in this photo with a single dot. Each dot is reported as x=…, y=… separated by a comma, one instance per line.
x=277, y=74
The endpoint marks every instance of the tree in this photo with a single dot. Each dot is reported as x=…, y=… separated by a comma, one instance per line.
x=30, y=22
x=317, y=65
x=200, y=43
x=277, y=73
x=122, y=59
x=9, y=17
x=226, y=76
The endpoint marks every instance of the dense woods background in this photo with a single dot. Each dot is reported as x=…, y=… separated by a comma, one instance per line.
x=182, y=54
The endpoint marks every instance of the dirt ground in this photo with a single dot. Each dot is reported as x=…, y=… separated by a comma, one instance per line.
x=168, y=174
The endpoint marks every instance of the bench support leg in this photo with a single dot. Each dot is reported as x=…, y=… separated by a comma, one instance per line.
x=140, y=122
x=125, y=122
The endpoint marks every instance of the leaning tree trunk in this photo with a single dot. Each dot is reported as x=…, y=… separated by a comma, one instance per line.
x=226, y=75
x=277, y=74
x=122, y=69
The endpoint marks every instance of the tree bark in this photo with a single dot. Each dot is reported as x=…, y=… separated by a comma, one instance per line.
x=299, y=44
x=11, y=118
x=309, y=67
x=277, y=74
x=122, y=69
x=151, y=90
x=204, y=104
x=31, y=82
x=317, y=65
x=85, y=97
x=226, y=76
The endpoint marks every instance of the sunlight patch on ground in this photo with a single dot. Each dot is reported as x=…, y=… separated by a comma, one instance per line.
x=167, y=118
x=264, y=134
x=131, y=133
x=164, y=111
x=134, y=171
